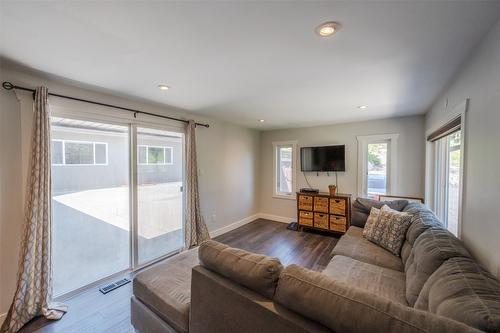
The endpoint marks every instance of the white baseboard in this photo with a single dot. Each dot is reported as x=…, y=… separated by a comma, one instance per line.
x=276, y=218
x=232, y=226
x=242, y=222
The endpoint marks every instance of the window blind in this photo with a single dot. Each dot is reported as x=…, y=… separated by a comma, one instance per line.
x=450, y=128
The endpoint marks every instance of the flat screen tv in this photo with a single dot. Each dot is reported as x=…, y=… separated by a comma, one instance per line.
x=322, y=159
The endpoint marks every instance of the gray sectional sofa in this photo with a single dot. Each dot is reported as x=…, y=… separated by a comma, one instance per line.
x=435, y=286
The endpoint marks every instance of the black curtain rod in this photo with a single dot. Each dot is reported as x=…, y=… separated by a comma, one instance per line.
x=9, y=86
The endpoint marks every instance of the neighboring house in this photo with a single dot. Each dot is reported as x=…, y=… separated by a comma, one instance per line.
x=85, y=159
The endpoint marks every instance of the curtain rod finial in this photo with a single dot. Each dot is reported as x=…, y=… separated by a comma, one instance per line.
x=7, y=85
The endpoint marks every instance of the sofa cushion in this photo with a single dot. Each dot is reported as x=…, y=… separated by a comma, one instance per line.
x=405, y=251
x=255, y=271
x=460, y=289
x=421, y=220
x=389, y=229
x=371, y=221
x=377, y=280
x=344, y=308
x=431, y=249
x=361, y=208
x=355, y=246
x=166, y=288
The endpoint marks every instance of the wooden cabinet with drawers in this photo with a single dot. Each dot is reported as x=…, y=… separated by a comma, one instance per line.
x=324, y=212
x=306, y=218
x=305, y=202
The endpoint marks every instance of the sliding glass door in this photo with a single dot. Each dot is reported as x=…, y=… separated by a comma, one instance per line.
x=159, y=193
x=90, y=202
x=448, y=164
x=116, y=199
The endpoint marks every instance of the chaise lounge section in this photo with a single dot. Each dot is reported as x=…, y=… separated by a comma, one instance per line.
x=162, y=295
x=435, y=286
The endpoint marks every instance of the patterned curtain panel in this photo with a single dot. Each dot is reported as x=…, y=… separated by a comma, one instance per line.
x=195, y=230
x=34, y=285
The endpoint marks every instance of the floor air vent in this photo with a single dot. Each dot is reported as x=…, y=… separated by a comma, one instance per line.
x=112, y=286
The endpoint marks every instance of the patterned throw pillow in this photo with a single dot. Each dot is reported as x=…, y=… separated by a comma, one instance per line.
x=390, y=229
x=370, y=221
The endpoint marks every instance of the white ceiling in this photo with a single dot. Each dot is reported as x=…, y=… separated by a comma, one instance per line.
x=243, y=61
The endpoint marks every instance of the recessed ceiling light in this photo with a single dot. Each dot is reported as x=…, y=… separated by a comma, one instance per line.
x=362, y=107
x=261, y=120
x=327, y=29
x=163, y=87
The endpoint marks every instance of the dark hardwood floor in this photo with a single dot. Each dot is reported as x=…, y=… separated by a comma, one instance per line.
x=309, y=249
x=93, y=312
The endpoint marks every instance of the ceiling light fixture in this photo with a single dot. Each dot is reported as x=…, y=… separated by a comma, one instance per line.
x=362, y=107
x=327, y=29
x=261, y=120
x=163, y=87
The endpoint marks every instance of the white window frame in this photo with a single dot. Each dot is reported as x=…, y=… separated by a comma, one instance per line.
x=276, y=193
x=93, y=143
x=164, y=155
x=433, y=177
x=392, y=160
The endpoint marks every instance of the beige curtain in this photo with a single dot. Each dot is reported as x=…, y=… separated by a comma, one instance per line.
x=195, y=230
x=34, y=285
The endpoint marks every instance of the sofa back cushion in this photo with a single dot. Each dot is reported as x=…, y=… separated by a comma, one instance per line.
x=431, y=249
x=361, y=208
x=422, y=219
x=254, y=271
x=405, y=251
x=344, y=308
x=462, y=290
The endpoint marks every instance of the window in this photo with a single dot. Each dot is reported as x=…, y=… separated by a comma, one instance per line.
x=151, y=155
x=377, y=168
x=377, y=165
x=284, y=169
x=69, y=152
x=444, y=174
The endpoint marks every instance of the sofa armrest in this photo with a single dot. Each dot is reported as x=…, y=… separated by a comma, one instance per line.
x=219, y=305
x=347, y=309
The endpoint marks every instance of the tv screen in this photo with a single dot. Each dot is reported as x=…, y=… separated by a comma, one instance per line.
x=322, y=159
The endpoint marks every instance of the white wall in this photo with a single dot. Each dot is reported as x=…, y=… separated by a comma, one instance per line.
x=410, y=158
x=479, y=80
x=228, y=160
